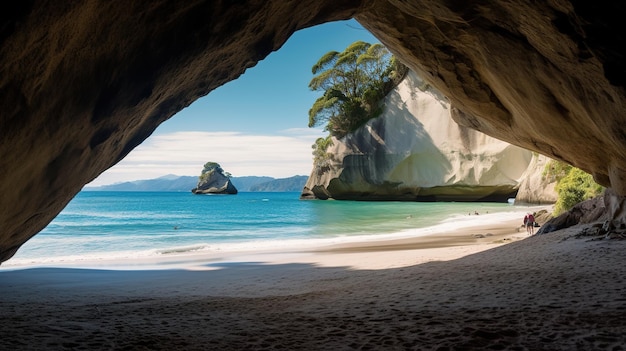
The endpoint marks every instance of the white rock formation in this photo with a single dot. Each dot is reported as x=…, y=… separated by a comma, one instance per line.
x=535, y=187
x=415, y=151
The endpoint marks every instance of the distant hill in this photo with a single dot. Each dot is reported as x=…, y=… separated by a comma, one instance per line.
x=169, y=182
x=172, y=182
x=295, y=183
x=245, y=183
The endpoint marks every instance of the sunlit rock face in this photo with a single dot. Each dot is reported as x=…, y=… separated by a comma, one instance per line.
x=214, y=181
x=416, y=152
x=536, y=187
x=83, y=83
x=546, y=76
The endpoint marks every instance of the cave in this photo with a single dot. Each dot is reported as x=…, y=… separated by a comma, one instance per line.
x=83, y=83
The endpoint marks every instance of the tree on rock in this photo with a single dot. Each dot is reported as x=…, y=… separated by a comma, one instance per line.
x=573, y=185
x=213, y=180
x=213, y=167
x=321, y=158
x=354, y=83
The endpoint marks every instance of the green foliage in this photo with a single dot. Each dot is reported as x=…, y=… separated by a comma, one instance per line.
x=319, y=149
x=556, y=170
x=211, y=167
x=354, y=83
x=573, y=185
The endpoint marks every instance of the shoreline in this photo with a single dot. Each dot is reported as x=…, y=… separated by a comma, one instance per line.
x=381, y=253
x=495, y=228
x=353, y=251
x=500, y=291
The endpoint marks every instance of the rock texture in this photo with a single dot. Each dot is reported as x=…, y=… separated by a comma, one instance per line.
x=607, y=213
x=535, y=187
x=214, y=181
x=416, y=152
x=585, y=212
x=83, y=83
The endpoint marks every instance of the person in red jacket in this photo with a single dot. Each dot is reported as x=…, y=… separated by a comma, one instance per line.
x=529, y=222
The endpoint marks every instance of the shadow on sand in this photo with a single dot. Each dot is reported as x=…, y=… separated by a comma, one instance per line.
x=535, y=294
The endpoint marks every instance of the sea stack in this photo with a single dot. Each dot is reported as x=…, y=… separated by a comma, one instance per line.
x=213, y=180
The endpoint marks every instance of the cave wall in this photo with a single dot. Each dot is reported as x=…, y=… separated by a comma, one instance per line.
x=83, y=83
x=547, y=76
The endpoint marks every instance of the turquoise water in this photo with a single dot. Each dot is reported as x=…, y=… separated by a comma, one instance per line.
x=101, y=225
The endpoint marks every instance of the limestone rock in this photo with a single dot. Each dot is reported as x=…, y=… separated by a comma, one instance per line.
x=85, y=82
x=535, y=187
x=415, y=151
x=585, y=212
x=214, y=181
x=608, y=208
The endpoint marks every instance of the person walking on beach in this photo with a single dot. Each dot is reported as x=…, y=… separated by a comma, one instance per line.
x=529, y=222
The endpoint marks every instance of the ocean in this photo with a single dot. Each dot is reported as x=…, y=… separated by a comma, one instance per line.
x=100, y=225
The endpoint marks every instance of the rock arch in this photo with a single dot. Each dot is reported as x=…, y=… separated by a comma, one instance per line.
x=83, y=83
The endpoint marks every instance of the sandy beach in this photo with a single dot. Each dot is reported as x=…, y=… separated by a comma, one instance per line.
x=488, y=287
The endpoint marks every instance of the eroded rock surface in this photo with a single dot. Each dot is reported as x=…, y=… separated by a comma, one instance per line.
x=608, y=211
x=536, y=187
x=415, y=152
x=83, y=83
x=214, y=181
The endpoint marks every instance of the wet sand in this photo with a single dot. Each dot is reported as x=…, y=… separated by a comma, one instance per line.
x=489, y=287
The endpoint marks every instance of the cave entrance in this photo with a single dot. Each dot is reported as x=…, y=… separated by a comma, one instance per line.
x=255, y=125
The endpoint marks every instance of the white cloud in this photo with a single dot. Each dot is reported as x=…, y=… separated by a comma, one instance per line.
x=185, y=153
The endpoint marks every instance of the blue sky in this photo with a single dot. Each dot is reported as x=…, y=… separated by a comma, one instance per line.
x=255, y=125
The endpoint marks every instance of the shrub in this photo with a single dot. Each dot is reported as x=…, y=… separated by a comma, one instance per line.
x=574, y=186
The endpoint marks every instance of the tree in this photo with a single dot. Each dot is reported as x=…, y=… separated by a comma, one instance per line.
x=321, y=158
x=211, y=167
x=572, y=185
x=354, y=82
